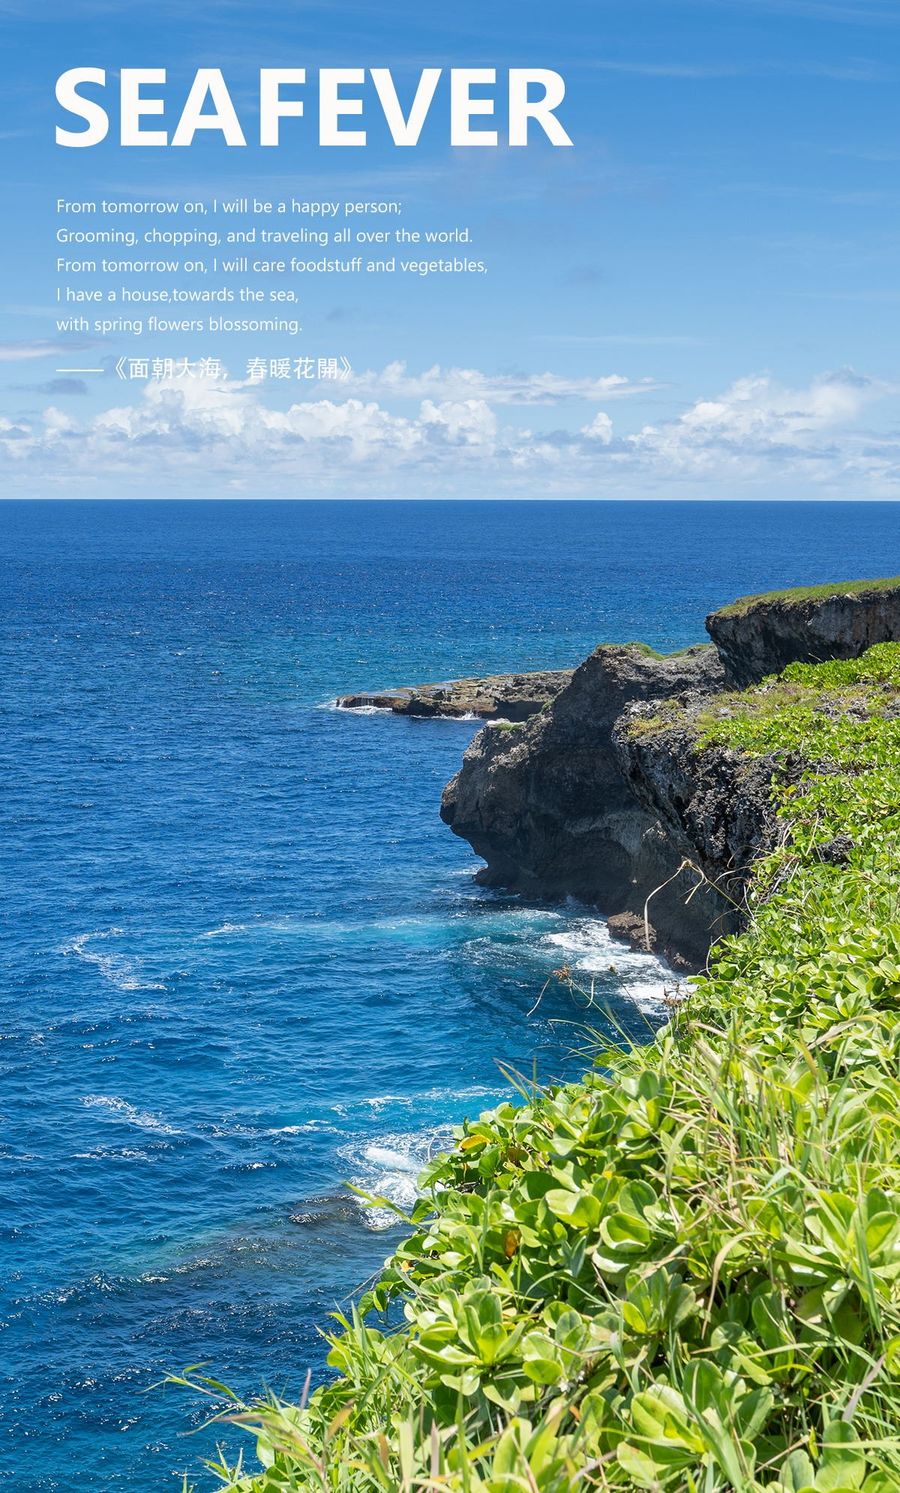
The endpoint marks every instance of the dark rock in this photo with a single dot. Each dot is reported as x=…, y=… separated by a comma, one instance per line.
x=511, y=697
x=715, y=805
x=395, y=700
x=762, y=635
x=638, y=933
x=836, y=852
x=607, y=795
x=548, y=808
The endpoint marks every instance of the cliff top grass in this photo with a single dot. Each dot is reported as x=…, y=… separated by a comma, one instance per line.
x=681, y=1274
x=796, y=595
x=650, y=652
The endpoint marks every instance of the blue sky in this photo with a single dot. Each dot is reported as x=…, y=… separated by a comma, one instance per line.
x=700, y=299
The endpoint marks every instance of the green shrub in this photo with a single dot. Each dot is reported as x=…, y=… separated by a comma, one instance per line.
x=682, y=1272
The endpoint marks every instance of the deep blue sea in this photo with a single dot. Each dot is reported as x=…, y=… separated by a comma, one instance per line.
x=242, y=960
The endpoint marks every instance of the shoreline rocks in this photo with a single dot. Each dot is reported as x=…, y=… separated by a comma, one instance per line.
x=510, y=697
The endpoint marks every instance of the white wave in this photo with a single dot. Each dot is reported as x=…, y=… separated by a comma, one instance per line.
x=115, y=1153
x=393, y=1161
x=446, y=716
x=389, y=1166
x=589, y=949
x=340, y=928
x=387, y=710
x=123, y=972
x=129, y=1114
x=357, y=709
x=378, y=1102
x=221, y=1129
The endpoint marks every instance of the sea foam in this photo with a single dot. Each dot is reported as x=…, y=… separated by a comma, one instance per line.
x=388, y=1166
x=129, y=1114
x=590, y=950
x=119, y=969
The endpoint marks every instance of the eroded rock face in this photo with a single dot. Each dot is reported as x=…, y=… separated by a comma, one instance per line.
x=715, y=805
x=511, y=697
x=763, y=635
x=548, y=806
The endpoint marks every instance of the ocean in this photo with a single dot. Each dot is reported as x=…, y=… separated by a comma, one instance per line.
x=242, y=960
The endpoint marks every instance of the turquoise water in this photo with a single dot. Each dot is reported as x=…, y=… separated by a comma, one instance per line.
x=242, y=960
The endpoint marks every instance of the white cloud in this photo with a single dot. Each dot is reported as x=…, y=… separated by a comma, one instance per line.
x=230, y=419
x=758, y=437
x=462, y=422
x=600, y=429
x=395, y=381
x=757, y=419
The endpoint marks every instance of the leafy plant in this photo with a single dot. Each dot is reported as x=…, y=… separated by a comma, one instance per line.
x=682, y=1272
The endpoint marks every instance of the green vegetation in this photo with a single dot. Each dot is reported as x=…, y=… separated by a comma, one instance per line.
x=844, y=709
x=683, y=1272
x=810, y=593
x=644, y=648
x=690, y=648
x=653, y=722
x=649, y=652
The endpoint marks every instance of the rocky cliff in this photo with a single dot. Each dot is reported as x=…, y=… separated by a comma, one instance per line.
x=761, y=635
x=713, y=804
x=548, y=807
x=607, y=795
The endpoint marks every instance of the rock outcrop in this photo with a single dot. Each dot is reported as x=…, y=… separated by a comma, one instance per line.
x=714, y=805
x=548, y=806
x=761, y=635
x=511, y=697
x=592, y=784
x=606, y=797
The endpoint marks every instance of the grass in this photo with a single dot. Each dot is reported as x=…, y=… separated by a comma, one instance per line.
x=651, y=723
x=796, y=595
x=682, y=1272
x=644, y=648
x=650, y=652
